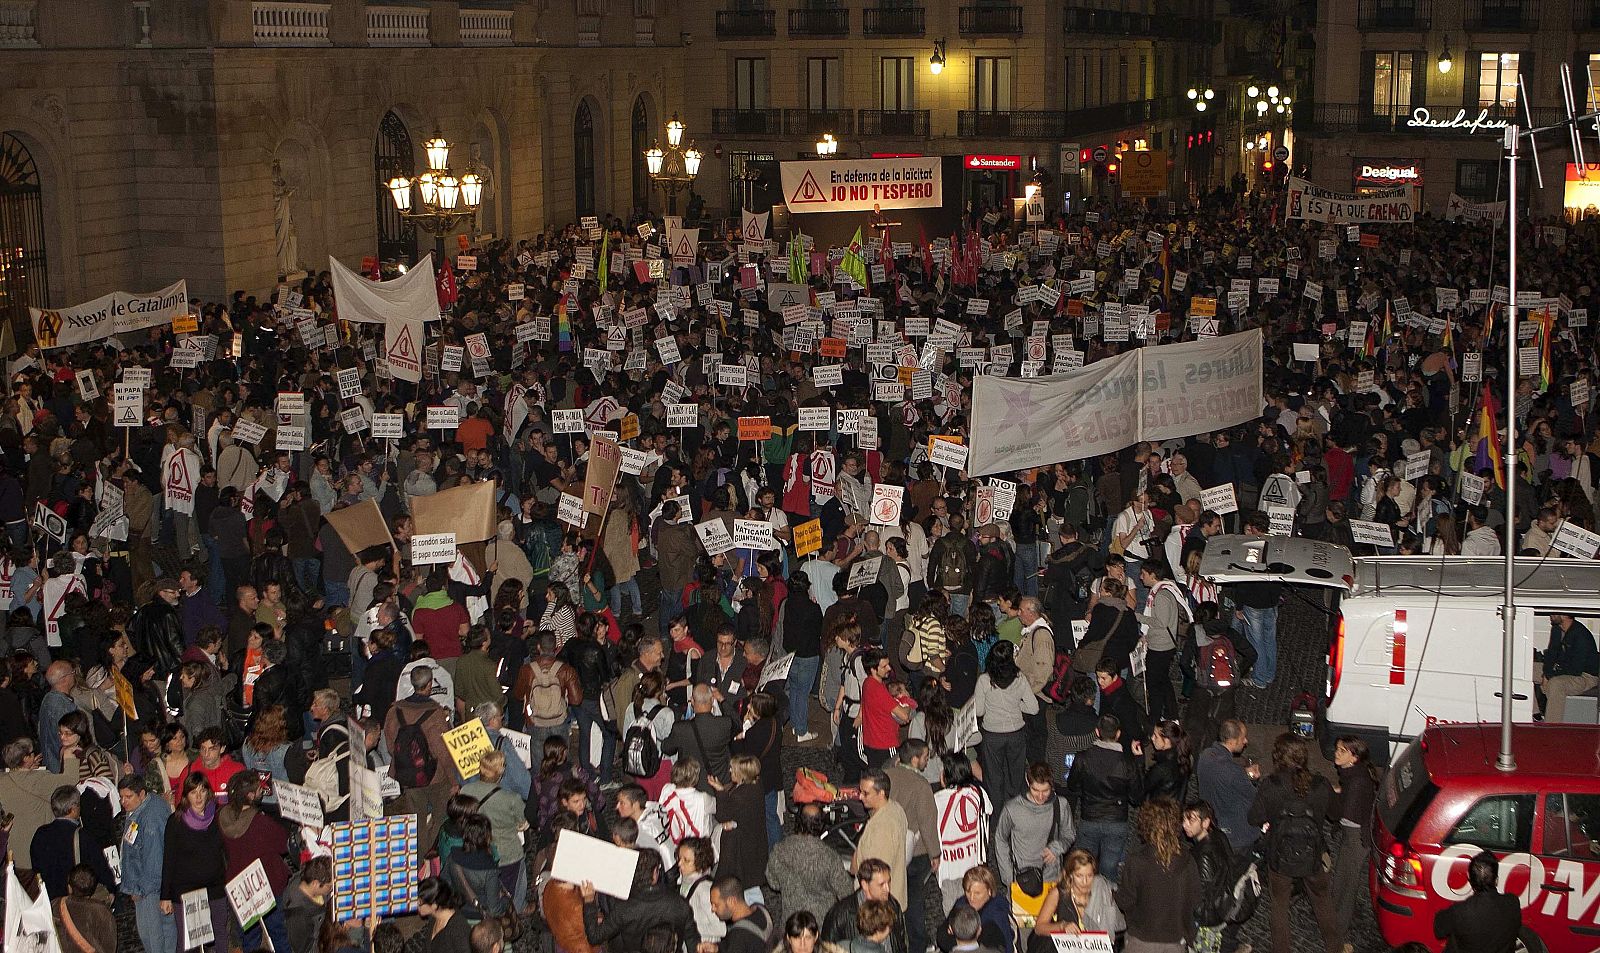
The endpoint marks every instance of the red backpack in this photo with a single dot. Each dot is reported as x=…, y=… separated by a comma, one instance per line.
x=1217, y=668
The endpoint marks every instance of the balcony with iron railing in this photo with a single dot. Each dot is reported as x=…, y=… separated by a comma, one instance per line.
x=1335, y=118
x=819, y=21
x=912, y=123
x=1054, y=123
x=991, y=19
x=745, y=24
x=287, y=23
x=815, y=122
x=747, y=122
x=1093, y=20
x=398, y=26
x=1394, y=15
x=486, y=27
x=894, y=21
x=1511, y=16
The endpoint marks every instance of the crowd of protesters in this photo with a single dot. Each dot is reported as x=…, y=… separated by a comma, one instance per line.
x=1039, y=651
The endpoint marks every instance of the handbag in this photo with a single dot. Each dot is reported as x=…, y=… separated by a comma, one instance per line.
x=1031, y=879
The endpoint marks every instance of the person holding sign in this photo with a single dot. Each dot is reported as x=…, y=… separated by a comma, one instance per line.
x=1081, y=901
x=249, y=835
x=195, y=858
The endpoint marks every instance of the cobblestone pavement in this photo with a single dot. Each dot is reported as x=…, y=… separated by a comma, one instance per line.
x=1302, y=648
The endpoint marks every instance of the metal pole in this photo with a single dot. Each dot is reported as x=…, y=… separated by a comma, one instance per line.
x=1508, y=610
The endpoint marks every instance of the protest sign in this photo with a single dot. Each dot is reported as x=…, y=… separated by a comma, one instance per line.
x=863, y=572
x=433, y=549
x=583, y=859
x=298, y=803
x=374, y=867
x=251, y=894
x=714, y=537
x=776, y=670
x=467, y=744
x=197, y=929
x=1370, y=533
x=808, y=537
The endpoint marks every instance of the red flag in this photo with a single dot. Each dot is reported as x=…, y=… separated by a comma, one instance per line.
x=886, y=254
x=446, y=286
x=927, y=252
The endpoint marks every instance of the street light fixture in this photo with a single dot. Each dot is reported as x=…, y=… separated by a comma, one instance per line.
x=936, y=61
x=827, y=145
x=674, y=168
x=446, y=200
x=1446, y=62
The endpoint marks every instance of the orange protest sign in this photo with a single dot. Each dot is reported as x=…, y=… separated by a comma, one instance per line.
x=832, y=347
x=755, y=428
x=808, y=537
x=185, y=323
x=462, y=242
x=1202, y=307
x=1074, y=307
x=905, y=375
x=935, y=438
x=1369, y=240
x=629, y=427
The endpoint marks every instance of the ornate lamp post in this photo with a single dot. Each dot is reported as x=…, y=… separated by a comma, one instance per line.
x=674, y=168
x=442, y=200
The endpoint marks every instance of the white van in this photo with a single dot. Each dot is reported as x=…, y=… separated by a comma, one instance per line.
x=1414, y=641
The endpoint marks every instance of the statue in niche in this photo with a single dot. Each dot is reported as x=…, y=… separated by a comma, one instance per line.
x=288, y=251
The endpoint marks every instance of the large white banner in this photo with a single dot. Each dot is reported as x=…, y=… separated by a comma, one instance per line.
x=856, y=185
x=411, y=296
x=1189, y=388
x=1459, y=208
x=1313, y=204
x=114, y=313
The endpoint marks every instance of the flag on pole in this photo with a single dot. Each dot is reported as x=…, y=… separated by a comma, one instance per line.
x=797, y=258
x=446, y=285
x=563, y=326
x=1488, y=453
x=30, y=928
x=1546, y=325
x=886, y=254
x=605, y=260
x=853, y=264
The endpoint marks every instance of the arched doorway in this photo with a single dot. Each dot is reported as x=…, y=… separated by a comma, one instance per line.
x=641, y=142
x=24, y=265
x=392, y=156
x=583, y=189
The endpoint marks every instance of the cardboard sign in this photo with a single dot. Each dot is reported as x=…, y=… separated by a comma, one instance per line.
x=197, y=919
x=388, y=426
x=776, y=670
x=291, y=403
x=1472, y=488
x=293, y=438
x=433, y=549
x=360, y=526
x=755, y=428
x=248, y=431
x=808, y=537
x=864, y=572
x=467, y=744
x=886, y=502
x=1219, y=499
x=1370, y=533
x=1281, y=519
x=443, y=416
x=570, y=510
x=583, y=859
x=605, y=462
x=251, y=894
x=467, y=511
x=1417, y=465
x=1575, y=541
x=714, y=537
x=298, y=803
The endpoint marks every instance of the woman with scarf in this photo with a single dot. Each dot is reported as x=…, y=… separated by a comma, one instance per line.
x=249, y=835
x=195, y=858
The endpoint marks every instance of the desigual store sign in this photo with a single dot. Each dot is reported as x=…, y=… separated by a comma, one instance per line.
x=1387, y=173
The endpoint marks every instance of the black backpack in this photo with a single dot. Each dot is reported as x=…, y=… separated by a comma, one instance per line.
x=414, y=764
x=1294, y=844
x=641, y=754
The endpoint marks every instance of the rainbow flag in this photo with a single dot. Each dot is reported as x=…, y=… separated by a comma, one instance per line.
x=1546, y=325
x=1488, y=453
x=563, y=326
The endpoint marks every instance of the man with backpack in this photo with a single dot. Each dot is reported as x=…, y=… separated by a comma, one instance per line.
x=751, y=926
x=1292, y=802
x=547, y=689
x=414, y=730
x=950, y=563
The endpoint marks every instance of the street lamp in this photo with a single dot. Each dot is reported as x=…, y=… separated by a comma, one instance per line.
x=1445, y=60
x=936, y=61
x=827, y=145
x=446, y=200
x=674, y=168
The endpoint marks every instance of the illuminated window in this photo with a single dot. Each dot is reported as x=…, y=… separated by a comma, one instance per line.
x=1497, y=80
x=1391, y=83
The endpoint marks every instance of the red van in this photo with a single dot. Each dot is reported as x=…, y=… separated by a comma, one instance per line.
x=1443, y=801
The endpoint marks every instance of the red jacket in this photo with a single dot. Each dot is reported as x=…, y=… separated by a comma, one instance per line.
x=441, y=628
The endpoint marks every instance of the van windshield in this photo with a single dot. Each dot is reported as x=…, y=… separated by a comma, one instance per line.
x=1406, y=793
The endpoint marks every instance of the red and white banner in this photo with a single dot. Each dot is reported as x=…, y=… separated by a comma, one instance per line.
x=857, y=185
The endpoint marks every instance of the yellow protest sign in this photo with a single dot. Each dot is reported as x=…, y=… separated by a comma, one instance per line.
x=808, y=537
x=467, y=744
x=1202, y=307
x=628, y=428
x=185, y=323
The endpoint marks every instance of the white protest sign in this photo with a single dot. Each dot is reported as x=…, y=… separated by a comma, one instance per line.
x=683, y=416
x=88, y=389
x=520, y=743
x=714, y=537
x=349, y=382
x=886, y=504
x=776, y=670
x=388, y=426
x=433, y=549
x=298, y=803
x=1281, y=519
x=128, y=404
x=1220, y=499
x=816, y=418
x=353, y=419
x=752, y=534
x=583, y=859
x=1417, y=465
x=291, y=403
x=948, y=453
x=292, y=438
x=1082, y=942
x=567, y=421
x=1574, y=540
x=1472, y=488
x=864, y=572
x=1306, y=352
x=248, y=431
x=1370, y=533
x=197, y=919
x=251, y=894
x=443, y=416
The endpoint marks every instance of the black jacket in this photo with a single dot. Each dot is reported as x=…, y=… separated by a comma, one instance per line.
x=53, y=855
x=1159, y=903
x=705, y=738
x=1483, y=923
x=157, y=631
x=1214, y=859
x=280, y=685
x=1275, y=791
x=1571, y=652
x=1166, y=777
x=590, y=663
x=993, y=572
x=839, y=926
x=628, y=921
x=1121, y=703
x=1105, y=782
